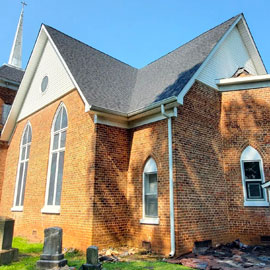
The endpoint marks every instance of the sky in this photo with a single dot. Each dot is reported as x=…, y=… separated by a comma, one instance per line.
x=136, y=32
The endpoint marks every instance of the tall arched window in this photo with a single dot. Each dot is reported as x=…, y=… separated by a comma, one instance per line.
x=253, y=178
x=56, y=162
x=22, y=168
x=150, y=193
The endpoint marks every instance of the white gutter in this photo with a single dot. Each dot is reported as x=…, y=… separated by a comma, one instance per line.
x=172, y=253
x=241, y=80
x=133, y=113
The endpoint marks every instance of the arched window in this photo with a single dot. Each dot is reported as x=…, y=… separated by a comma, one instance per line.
x=253, y=178
x=150, y=193
x=56, y=161
x=22, y=168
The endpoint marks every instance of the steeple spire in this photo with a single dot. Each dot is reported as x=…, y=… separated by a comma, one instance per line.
x=15, y=58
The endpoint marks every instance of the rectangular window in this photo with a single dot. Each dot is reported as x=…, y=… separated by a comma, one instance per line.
x=253, y=180
x=5, y=111
x=151, y=203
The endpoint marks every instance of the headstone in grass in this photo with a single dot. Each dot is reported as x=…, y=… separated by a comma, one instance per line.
x=7, y=253
x=92, y=262
x=52, y=256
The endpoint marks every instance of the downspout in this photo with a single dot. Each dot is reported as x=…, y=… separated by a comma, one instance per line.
x=172, y=253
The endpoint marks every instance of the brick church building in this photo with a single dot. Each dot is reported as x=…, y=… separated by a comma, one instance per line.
x=173, y=153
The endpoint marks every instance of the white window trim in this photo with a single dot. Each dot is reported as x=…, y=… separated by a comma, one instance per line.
x=148, y=220
x=53, y=209
x=19, y=208
x=250, y=154
x=145, y=219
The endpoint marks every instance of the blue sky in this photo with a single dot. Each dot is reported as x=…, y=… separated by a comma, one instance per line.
x=134, y=31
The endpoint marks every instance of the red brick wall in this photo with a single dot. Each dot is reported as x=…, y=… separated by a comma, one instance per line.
x=245, y=121
x=200, y=189
x=102, y=184
x=110, y=189
x=145, y=141
x=7, y=95
x=78, y=179
x=3, y=153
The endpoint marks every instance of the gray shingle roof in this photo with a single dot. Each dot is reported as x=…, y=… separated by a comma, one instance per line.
x=105, y=81
x=111, y=84
x=11, y=73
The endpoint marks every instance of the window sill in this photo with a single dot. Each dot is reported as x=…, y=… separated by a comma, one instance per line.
x=256, y=203
x=153, y=221
x=17, y=209
x=49, y=209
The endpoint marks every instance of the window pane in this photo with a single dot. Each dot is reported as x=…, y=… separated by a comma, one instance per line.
x=55, y=141
x=28, y=150
x=24, y=182
x=64, y=118
x=153, y=183
x=19, y=185
x=63, y=139
x=29, y=134
x=59, y=178
x=151, y=206
x=23, y=153
x=52, y=179
x=254, y=190
x=5, y=111
x=252, y=170
x=57, y=121
x=150, y=183
x=25, y=137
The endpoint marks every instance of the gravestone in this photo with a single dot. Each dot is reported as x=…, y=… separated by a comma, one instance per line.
x=92, y=262
x=52, y=256
x=7, y=253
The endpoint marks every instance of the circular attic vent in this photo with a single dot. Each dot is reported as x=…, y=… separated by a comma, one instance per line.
x=44, y=83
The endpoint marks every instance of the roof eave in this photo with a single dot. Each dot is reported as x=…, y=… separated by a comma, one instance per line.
x=134, y=114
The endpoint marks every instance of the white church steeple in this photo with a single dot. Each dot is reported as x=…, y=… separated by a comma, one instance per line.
x=15, y=58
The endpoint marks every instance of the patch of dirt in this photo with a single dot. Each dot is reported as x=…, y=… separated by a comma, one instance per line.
x=231, y=256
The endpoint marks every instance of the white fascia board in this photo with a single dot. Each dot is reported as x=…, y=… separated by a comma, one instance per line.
x=24, y=86
x=244, y=86
x=87, y=105
x=99, y=119
x=196, y=74
x=144, y=119
x=241, y=80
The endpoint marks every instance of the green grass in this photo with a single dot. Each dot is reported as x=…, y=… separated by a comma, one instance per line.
x=29, y=254
x=143, y=265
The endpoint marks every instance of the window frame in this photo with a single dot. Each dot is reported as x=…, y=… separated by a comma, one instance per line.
x=250, y=154
x=55, y=209
x=19, y=208
x=148, y=219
